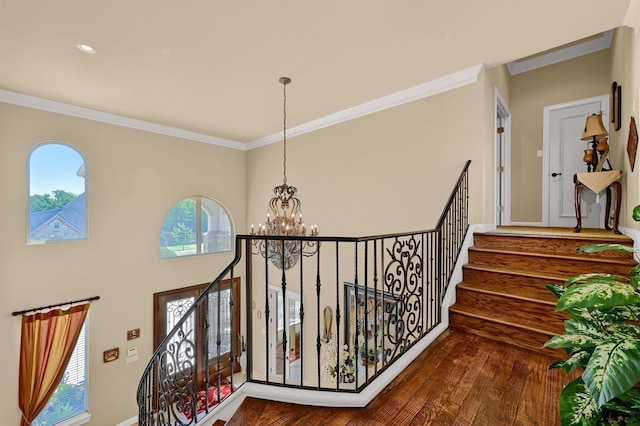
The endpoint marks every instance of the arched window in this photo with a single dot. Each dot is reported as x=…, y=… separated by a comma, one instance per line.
x=195, y=226
x=57, y=193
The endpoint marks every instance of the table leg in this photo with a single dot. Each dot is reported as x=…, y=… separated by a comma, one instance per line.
x=579, y=188
x=617, y=187
x=607, y=209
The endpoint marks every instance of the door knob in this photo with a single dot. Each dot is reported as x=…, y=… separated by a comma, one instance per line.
x=554, y=174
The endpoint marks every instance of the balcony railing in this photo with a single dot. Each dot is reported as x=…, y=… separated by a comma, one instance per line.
x=332, y=322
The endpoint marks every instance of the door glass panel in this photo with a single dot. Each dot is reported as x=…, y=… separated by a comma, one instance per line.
x=175, y=311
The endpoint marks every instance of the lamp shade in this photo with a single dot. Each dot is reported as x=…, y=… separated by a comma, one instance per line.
x=594, y=127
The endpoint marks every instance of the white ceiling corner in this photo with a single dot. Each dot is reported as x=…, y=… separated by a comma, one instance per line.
x=449, y=82
x=562, y=54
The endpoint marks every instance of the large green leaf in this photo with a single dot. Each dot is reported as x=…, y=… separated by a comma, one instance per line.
x=632, y=397
x=598, y=293
x=571, y=341
x=614, y=314
x=627, y=330
x=635, y=281
x=602, y=247
x=577, y=407
x=585, y=278
x=613, y=369
x=556, y=289
x=585, y=327
x=577, y=360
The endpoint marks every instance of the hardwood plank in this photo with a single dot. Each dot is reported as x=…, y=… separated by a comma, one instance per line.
x=461, y=379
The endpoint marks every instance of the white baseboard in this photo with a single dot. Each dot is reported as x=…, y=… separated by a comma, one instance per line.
x=129, y=422
x=527, y=224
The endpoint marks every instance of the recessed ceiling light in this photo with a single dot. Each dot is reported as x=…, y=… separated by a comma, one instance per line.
x=85, y=48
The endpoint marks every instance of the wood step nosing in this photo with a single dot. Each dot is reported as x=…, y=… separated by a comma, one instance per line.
x=502, y=322
x=614, y=239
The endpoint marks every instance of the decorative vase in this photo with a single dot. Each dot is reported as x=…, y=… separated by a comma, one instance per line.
x=242, y=360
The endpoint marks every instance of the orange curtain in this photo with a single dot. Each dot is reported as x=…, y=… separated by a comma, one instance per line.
x=46, y=345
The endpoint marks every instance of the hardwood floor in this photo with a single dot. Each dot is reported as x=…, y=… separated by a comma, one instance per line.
x=461, y=379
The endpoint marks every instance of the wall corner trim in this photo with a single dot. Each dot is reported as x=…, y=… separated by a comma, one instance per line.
x=430, y=88
x=34, y=102
x=439, y=85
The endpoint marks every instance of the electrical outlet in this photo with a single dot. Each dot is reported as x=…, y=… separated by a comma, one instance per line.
x=133, y=334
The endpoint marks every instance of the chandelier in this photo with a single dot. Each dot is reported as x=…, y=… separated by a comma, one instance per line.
x=284, y=218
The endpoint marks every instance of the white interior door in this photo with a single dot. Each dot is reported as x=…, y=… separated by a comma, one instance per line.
x=564, y=150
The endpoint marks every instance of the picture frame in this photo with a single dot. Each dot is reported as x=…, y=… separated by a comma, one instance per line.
x=612, y=102
x=368, y=312
x=632, y=143
x=110, y=355
x=615, y=106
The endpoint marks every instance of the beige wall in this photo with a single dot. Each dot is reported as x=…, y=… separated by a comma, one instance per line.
x=134, y=178
x=579, y=78
x=387, y=172
x=625, y=66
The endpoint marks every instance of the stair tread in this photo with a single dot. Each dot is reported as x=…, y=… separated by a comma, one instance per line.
x=552, y=277
x=576, y=256
x=559, y=233
x=513, y=292
x=504, y=318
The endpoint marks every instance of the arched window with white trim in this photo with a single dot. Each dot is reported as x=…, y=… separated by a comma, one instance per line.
x=196, y=226
x=57, y=193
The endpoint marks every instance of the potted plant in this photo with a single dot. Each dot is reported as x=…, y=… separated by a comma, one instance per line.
x=345, y=371
x=603, y=339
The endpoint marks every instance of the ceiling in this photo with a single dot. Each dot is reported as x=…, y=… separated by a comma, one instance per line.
x=212, y=66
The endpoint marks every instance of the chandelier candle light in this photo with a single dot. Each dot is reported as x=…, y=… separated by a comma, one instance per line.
x=287, y=217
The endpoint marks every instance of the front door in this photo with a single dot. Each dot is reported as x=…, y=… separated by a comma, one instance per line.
x=564, y=125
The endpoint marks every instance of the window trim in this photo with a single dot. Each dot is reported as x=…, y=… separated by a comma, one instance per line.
x=84, y=169
x=198, y=199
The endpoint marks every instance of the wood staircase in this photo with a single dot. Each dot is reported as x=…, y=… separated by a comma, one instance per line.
x=503, y=294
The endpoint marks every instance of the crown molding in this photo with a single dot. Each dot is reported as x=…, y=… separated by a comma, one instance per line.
x=430, y=88
x=118, y=120
x=632, y=17
x=449, y=82
x=559, y=55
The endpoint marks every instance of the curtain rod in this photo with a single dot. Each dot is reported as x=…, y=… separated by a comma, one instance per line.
x=58, y=305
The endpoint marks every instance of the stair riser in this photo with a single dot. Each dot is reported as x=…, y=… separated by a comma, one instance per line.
x=508, y=283
x=516, y=311
x=565, y=267
x=543, y=244
x=504, y=333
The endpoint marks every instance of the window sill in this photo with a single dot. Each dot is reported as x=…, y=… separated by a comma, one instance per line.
x=78, y=420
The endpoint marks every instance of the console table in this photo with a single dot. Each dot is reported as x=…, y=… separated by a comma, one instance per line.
x=598, y=182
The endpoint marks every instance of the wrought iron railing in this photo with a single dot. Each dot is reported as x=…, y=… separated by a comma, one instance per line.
x=334, y=321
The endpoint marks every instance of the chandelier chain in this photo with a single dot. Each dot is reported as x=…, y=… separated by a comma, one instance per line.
x=284, y=132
